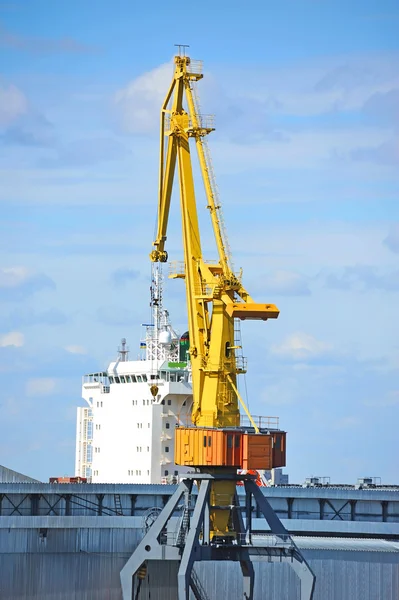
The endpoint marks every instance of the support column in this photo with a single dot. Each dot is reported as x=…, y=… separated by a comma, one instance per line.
x=384, y=506
x=353, y=509
x=290, y=502
x=67, y=504
x=133, y=500
x=34, y=504
x=100, y=498
x=322, y=503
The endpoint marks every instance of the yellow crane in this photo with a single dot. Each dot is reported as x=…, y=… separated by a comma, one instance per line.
x=215, y=294
x=216, y=446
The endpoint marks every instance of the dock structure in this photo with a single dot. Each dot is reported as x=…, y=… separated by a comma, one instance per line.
x=72, y=541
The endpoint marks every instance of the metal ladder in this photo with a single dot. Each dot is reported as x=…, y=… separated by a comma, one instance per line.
x=197, y=587
x=118, y=504
x=184, y=527
x=212, y=179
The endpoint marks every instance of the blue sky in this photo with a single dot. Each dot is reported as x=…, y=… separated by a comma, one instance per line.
x=306, y=154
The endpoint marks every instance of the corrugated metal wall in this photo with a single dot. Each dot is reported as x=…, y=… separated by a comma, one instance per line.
x=83, y=563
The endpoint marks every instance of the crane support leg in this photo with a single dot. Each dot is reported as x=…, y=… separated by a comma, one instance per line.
x=247, y=569
x=299, y=564
x=153, y=545
x=192, y=543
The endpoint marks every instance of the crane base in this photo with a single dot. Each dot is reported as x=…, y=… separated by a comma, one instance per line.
x=192, y=542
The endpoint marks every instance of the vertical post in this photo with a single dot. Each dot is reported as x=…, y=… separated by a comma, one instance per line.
x=321, y=508
x=67, y=504
x=206, y=531
x=290, y=502
x=384, y=506
x=34, y=504
x=133, y=499
x=100, y=498
x=248, y=512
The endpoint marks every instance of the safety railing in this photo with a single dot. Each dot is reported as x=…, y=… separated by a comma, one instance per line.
x=177, y=268
x=261, y=422
x=195, y=67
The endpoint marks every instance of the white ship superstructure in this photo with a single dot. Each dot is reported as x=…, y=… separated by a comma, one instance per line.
x=126, y=432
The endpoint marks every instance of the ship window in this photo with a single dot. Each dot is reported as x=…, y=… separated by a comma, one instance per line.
x=176, y=473
x=237, y=441
x=133, y=378
x=229, y=441
x=148, y=472
x=144, y=377
x=167, y=425
x=101, y=404
x=138, y=425
x=148, y=448
x=117, y=380
x=277, y=443
x=163, y=402
x=166, y=448
x=148, y=402
x=139, y=378
x=98, y=404
x=153, y=376
x=111, y=380
x=143, y=402
x=166, y=472
x=204, y=441
x=128, y=380
x=169, y=402
x=122, y=378
x=209, y=440
x=149, y=425
x=172, y=376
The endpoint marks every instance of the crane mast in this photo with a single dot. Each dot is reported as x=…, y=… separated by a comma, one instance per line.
x=215, y=294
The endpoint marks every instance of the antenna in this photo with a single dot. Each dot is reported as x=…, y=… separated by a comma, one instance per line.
x=182, y=49
x=123, y=351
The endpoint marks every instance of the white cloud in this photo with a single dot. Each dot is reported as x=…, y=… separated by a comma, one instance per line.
x=13, y=276
x=13, y=104
x=40, y=386
x=139, y=103
x=13, y=338
x=301, y=346
x=285, y=283
x=16, y=283
x=75, y=349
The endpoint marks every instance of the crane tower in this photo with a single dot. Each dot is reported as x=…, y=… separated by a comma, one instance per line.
x=218, y=448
